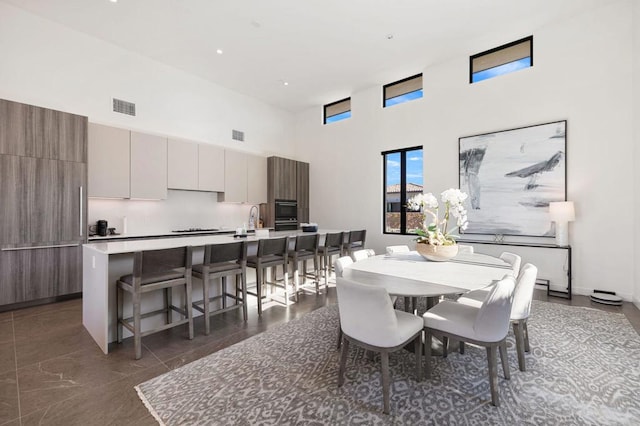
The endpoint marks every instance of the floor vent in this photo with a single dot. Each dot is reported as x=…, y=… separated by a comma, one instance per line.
x=237, y=135
x=124, y=107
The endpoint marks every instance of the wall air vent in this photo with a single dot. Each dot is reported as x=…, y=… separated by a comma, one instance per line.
x=237, y=135
x=124, y=107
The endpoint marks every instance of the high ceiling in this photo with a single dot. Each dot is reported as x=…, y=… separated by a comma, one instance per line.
x=324, y=49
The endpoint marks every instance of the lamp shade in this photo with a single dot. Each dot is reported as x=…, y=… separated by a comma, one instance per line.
x=562, y=211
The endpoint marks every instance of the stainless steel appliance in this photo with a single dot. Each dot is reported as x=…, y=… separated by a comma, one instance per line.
x=286, y=215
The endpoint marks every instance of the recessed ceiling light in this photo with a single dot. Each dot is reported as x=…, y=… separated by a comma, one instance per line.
x=219, y=51
x=389, y=36
x=286, y=83
x=113, y=1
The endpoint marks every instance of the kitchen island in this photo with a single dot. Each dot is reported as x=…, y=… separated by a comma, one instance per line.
x=105, y=262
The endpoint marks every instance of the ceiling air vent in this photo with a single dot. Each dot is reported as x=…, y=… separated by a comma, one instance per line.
x=124, y=107
x=237, y=135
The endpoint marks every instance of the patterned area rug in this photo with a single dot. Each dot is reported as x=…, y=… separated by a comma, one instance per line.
x=584, y=368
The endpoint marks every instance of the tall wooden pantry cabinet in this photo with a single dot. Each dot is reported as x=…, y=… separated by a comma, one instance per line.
x=43, y=204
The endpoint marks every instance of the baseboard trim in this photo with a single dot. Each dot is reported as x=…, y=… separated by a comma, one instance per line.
x=32, y=303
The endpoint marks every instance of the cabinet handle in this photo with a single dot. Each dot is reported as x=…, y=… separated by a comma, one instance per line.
x=40, y=247
x=81, y=218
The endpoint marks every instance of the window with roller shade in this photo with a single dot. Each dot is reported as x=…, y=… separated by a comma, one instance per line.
x=337, y=111
x=501, y=60
x=402, y=91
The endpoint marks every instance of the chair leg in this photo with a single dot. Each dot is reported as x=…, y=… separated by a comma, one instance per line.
x=285, y=278
x=223, y=291
x=169, y=296
x=417, y=344
x=205, y=304
x=188, y=308
x=427, y=353
x=167, y=305
x=517, y=331
x=316, y=274
x=243, y=283
x=324, y=264
x=120, y=315
x=386, y=382
x=493, y=374
x=445, y=346
x=526, y=335
x=504, y=359
x=339, y=334
x=343, y=362
x=461, y=348
x=259, y=279
x=137, y=338
x=237, y=290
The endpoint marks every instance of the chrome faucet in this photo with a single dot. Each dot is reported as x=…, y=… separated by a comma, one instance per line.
x=253, y=215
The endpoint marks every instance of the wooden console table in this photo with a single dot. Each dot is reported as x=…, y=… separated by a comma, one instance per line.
x=544, y=282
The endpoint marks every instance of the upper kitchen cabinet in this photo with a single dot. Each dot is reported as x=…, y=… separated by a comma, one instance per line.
x=211, y=168
x=195, y=167
x=257, y=179
x=109, y=162
x=235, y=177
x=148, y=166
x=182, y=170
x=245, y=178
x=33, y=131
x=282, y=179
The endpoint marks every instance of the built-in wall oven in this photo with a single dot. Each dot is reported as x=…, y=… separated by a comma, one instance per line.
x=286, y=215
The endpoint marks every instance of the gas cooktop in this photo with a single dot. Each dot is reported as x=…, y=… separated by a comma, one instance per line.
x=196, y=230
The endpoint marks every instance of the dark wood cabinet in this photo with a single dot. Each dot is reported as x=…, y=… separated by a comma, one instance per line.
x=281, y=179
x=43, y=175
x=41, y=200
x=302, y=191
x=35, y=273
x=32, y=131
x=287, y=180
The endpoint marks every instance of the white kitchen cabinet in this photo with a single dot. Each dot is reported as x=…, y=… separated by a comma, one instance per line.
x=235, y=177
x=256, y=179
x=109, y=160
x=211, y=168
x=182, y=165
x=148, y=166
x=245, y=178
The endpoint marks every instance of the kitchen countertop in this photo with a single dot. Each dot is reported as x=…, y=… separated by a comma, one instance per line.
x=159, y=235
x=130, y=246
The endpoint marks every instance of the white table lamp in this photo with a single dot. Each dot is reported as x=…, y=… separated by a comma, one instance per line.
x=562, y=212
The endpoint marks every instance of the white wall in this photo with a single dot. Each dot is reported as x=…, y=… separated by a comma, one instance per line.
x=636, y=119
x=49, y=65
x=582, y=73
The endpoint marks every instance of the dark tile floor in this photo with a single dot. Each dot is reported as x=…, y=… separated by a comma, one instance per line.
x=52, y=373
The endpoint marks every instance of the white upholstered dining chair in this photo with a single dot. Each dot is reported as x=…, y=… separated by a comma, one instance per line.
x=373, y=324
x=520, y=310
x=485, y=326
x=398, y=249
x=339, y=266
x=477, y=297
x=463, y=248
x=362, y=254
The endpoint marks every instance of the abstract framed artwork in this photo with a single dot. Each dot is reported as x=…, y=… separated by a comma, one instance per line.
x=511, y=176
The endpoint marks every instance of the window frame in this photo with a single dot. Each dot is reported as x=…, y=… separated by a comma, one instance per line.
x=325, y=107
x=388, y=85
x=403, y=188
x=497, y=49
